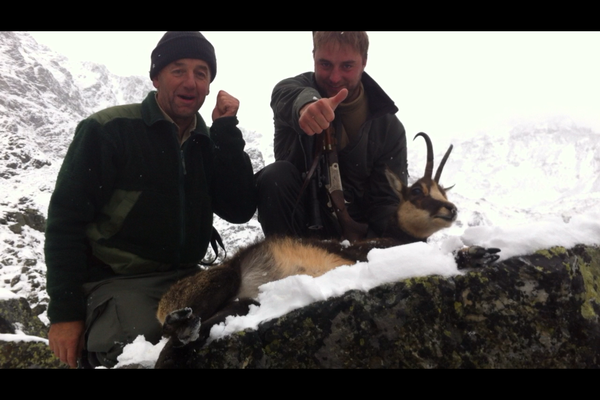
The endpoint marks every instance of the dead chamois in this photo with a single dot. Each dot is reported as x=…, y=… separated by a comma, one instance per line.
x=194, y=304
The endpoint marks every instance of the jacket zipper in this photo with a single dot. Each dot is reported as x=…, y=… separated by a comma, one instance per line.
x=181, y=186
x=183, y=162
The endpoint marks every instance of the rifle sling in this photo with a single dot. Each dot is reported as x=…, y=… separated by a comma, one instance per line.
x=309, y=175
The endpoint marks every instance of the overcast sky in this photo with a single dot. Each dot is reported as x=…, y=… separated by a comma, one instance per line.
x=449, y=84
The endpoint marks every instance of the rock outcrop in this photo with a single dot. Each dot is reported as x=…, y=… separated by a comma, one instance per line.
x=537, y=311
x=22, y=338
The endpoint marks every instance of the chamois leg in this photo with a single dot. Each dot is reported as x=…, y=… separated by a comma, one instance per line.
x=182, y=326
x=174, y=355
x=475, y=257
x=236, y=307
x=195, y=299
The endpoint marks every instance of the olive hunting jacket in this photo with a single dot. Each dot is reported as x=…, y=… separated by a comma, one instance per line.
x=381, y=143
x=130, y=199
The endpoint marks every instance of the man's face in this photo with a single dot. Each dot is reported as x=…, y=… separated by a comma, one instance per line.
x=338, y=67
x=182, y=88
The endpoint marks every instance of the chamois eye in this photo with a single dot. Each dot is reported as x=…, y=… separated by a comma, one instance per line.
x=416, y=191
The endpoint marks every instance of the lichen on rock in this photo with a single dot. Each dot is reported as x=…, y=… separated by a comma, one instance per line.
x=536, y=311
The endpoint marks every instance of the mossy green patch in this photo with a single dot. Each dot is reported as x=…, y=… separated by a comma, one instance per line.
x=591, y=277
x=552, y=252
x=28, y=355
x=478, y=275
x=308, y=323
x=458, y=307
x=273, y=347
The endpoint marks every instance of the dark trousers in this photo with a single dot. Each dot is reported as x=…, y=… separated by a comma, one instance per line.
x=120, y=309
x=283, y=210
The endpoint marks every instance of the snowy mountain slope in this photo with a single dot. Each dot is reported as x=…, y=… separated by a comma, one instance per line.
x=516, y=174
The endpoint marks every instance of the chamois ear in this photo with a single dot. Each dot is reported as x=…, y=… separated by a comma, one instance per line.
x=395, y=183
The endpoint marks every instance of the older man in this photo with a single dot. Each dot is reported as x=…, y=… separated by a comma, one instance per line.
x=133, y=205
x=368, y=136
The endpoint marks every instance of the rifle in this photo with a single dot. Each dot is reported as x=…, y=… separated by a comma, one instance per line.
x=313, y=180
x=351, y=229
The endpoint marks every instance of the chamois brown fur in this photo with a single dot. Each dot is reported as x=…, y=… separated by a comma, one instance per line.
x=193, y=305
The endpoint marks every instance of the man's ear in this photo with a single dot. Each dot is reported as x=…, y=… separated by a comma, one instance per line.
x=155, y=82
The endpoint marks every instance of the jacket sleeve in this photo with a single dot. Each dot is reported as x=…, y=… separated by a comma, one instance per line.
x=81, y=186
x=234, y=187
x=288, y=97
x=382, y=201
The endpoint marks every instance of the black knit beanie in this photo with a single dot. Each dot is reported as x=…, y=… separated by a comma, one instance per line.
x=177, y=45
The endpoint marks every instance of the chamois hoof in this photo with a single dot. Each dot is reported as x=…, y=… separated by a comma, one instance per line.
x=476, y=257
x=182, y=326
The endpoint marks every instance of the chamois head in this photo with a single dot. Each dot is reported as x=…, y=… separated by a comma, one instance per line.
x=424, y=208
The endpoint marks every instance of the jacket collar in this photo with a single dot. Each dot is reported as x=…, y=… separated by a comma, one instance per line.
x=379, y=102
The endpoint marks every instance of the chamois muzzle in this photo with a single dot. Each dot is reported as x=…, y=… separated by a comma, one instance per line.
x=451, y=214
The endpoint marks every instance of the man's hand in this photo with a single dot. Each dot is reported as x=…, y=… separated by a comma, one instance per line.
x=66, y=341
x=315, y=117
x=227, y=106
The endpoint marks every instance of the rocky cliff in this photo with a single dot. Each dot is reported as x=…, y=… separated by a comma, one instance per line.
x=23, y=343
x=538, y=311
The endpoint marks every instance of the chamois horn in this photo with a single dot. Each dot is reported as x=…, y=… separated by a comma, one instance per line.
x=429, y=165
x=441, y=166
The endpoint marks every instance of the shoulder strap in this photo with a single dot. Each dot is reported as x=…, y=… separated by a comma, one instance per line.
x=215, y=242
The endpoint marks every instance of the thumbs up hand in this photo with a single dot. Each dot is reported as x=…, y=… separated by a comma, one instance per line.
x=315, y=117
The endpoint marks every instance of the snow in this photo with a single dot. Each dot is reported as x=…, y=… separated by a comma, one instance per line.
x=280, y=297
x=527, y=238
x=20, y=337
x=6, y=294
x=141, y=352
